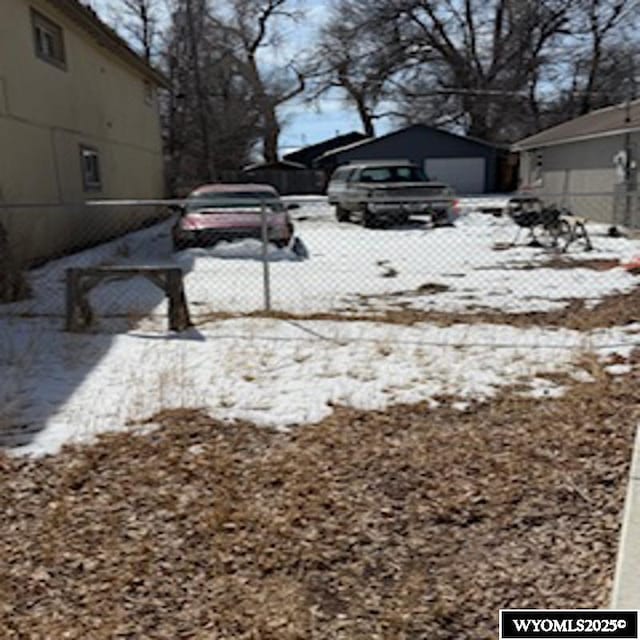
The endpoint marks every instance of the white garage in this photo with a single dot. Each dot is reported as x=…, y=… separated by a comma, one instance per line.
x=465, y=175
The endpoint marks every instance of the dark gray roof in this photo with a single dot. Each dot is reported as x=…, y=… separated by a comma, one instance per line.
x=620, y=118
x=306, y=155
x=279, y=164
x=379, y=163
x=418, y=125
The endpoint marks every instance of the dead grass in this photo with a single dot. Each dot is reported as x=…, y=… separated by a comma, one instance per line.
x=617, y=309
x=555, y=261
x=426, y=289
x=595, y=264
x=406, y=523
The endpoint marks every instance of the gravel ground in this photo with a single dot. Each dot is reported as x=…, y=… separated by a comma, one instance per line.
x=409, y=523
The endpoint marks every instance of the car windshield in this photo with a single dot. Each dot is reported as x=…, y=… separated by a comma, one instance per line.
x=393, y=174
x=233, y=200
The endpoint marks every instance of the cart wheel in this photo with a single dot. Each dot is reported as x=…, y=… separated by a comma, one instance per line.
x=580, y=232
x=565, y=235
x=542, y=237
x=555, y=235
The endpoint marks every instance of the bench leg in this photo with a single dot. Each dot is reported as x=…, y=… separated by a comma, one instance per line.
x=71, y=291
x=78, y=311
x=178, y=311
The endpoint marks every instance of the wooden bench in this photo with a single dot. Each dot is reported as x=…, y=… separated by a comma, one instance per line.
x=80, y=281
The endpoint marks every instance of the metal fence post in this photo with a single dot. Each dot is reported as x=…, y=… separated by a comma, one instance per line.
x=265, y=260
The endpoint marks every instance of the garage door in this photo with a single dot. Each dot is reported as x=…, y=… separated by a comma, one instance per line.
x=465, y=175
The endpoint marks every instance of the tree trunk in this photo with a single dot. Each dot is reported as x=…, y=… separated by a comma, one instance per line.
x=271, y=134
x=270, y=125
x=146, y=31
x=365, y=117
x=477, y=111
x=207, y=168
x=594, y=67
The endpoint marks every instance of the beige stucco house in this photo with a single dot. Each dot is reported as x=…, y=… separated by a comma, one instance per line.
x=79, y=120
x=589, y=163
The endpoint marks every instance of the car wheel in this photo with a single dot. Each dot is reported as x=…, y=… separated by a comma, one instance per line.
x=342, y=215
x=299, y=248
x=179, y=245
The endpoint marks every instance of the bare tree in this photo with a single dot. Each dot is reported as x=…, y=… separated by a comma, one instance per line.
x=210, y=120
x=248, y=28
x=139, y=20
x=190, y=100
x=485, y=55
x=359, y=57
x=497, y=69
x=599, y=21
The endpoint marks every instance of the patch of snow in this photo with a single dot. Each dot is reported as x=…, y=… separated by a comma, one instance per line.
x=580, y=375
x=271, y=372
x=543, y=388
x=619, y=369
x=71, y=387
x=348, y=268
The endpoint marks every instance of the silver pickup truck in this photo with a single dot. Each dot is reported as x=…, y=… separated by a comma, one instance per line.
x=387, y=191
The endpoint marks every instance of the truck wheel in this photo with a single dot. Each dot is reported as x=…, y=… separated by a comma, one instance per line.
x=440, y=218
x=369, y=220
x=401, y=218
x=342, y=215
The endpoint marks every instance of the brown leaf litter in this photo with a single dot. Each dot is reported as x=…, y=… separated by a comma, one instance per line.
x=407, y=523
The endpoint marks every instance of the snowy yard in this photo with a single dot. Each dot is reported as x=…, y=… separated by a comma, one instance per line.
x=57, y=387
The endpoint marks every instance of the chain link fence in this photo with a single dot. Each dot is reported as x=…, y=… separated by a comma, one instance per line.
x=350, y=314
x=483, y=262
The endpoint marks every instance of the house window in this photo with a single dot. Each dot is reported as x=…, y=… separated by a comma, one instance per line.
x=90, y=169
x=48, y=39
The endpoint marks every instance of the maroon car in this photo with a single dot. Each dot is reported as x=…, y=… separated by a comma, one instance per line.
x=216, y=212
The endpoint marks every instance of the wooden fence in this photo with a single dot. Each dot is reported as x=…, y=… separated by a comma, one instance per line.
x=301, y=182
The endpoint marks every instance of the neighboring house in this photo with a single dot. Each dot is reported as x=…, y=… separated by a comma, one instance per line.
x=589, y=163
x=79, y=120
x=279, y=165
x=469, y=165
x=309, y=154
